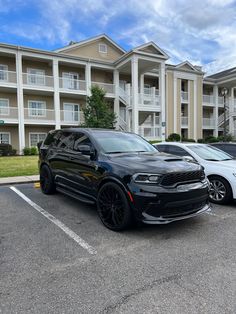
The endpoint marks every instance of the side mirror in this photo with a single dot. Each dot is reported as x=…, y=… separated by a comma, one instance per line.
x=188, y=158
x=85, y=150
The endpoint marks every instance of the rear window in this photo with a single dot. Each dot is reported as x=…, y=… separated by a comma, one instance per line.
x=52, y=138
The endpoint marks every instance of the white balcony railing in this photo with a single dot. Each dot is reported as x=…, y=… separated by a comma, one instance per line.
x=148, y=100
x=208, y=99
x=7, y=77
x=220, y=100
x=108, y=88
x=36, y=114
x=7, y=113
x=208, y=122
x=150, y=132
x=184, y=96
x=72, y=117
x=72, y=84
x=184, y=121
x=37, y=80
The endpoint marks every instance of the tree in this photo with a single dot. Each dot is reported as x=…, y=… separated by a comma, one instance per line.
x=97, y=113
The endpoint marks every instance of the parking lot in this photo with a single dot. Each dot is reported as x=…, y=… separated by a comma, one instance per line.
x=57, y=257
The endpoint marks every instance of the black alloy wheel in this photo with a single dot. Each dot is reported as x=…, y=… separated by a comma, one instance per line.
x=220, y=190
x=113, y=207
x=46, y=180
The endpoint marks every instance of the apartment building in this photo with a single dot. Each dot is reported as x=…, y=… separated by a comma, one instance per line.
x=42, y=90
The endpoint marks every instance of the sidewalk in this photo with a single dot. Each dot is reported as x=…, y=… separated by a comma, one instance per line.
x=17, y=180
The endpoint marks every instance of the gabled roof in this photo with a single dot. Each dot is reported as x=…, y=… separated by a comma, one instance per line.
x=186, y=64
x=156, y=50
x=222, y=74
x=86, y=41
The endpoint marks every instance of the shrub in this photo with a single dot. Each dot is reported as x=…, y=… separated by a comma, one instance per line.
x=174, y=137
x=33, y=150
x=200, y=140
x=211, y=139
x=6, y=150
x=228, y=138
x=26, y=151
x=191, y=140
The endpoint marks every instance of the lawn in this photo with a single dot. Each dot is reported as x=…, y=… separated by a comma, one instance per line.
x=18, y=166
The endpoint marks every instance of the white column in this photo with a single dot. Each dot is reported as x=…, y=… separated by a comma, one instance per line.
x=135, y=112
x=141, y=84
x=215, y=93
x=195, y=115
x=175, y=105
x=88, y=79
x=116, y=79
x=231, y=110
x=56, y=94
x=162, y=91
x=20, y=102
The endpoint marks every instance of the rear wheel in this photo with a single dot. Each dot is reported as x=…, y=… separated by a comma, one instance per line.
x=113, y=207
x=220, y=190
x=46, y=180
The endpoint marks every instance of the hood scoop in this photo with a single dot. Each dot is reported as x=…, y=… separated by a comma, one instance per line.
x=173, y=159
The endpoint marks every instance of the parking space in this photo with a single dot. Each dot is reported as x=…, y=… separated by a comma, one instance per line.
x=184, y=267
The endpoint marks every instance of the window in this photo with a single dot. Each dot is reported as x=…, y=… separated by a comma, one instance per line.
x=3, y=72
x=162, y=148
x=71, y=112
x=5, y=138
x=103, y=48
x=37, y=108
x=35, y=77
x=178, y=151
x=34, y=138
x=4, y=107
x=81, y=139
x=66, y=140
x=70, y=80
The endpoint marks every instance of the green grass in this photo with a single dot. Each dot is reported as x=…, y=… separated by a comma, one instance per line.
x=18, y=166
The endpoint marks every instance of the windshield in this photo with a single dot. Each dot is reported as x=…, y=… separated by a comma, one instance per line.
x=118, y=142
x=210, y=153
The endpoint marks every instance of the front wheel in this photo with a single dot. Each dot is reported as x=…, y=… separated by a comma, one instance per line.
x=113, y=207
x=46, y=180
x=220, y=190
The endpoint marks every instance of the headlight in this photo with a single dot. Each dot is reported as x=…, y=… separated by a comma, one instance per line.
x=146, y=178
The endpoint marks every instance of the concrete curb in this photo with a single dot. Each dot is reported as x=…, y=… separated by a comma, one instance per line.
x=19, y=180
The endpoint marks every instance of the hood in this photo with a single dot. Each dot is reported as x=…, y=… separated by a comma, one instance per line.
x=154, y=162
x=229, y=164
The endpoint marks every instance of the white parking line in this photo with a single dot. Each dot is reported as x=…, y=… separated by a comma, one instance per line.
x=57, y=222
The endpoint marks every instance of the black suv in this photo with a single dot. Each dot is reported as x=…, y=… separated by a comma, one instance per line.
x=123, y=174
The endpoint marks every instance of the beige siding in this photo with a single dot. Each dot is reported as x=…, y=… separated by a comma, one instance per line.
x=49, y=100
x=11, y=97
x=9, y=61
x=101, y=76
x=13, y=130
x=199, y=107
x=191, y=110
x=170, y=102
x=178, y=109
x=34, y=64
x=91, y=50
x=35, y=129
x=79, y=70
x=152, y=50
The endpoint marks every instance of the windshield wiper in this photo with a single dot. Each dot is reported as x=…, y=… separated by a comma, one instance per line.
x=118, y=152
x=212, y=159
x=227, y=159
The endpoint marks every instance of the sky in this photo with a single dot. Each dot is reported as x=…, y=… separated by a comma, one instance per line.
x=202, y=32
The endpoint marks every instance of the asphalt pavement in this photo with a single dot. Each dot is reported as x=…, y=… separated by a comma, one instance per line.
x=45, y=266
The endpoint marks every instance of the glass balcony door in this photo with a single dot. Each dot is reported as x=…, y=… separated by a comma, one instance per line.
x=71, y=112
x=70, y=80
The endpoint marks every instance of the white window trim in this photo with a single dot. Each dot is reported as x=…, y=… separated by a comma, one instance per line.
x=40, y=75
x=8, y=107
x=5, y=65
x=73, y=104
x=41, y=101
x=72, y=80
x=99, y=48
x=9, y=133
x=37, y=134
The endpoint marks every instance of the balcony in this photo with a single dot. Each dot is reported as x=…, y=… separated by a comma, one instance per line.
x=149, y=99
x=9, y=114
x=150, y=132
x=72, y=85
x=69, y=117
x=208, y=122
x=39, y=116
x=108, y=88
x=208, y=100
x=37, y=81
x=7, y=78
x=184, y=121
x=184, y=96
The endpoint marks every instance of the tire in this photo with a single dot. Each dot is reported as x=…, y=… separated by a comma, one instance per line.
x=220, y=190
x=113, y=207
x=46, y=180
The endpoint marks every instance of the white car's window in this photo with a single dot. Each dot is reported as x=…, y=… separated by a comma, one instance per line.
x=210, y=153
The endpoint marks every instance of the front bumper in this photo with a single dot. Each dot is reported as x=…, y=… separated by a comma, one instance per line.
x=160, y=205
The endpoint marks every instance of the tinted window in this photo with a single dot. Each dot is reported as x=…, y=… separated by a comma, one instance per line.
x=81, y=139
x=52, y=138
x=178, y=151
x=162, y=148
x=66, y=140
x=230, y=148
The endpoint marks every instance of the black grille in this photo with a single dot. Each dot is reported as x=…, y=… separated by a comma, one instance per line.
x=175, y=178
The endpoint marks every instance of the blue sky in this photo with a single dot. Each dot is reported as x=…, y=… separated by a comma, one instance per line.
x=203, y=32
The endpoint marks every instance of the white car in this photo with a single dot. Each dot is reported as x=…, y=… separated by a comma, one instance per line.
x=220, y=167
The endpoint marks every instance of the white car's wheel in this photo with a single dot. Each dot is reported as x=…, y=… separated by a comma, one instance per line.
x=220, y=190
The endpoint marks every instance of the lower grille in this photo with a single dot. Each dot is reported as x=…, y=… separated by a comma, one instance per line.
x=171, y=179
